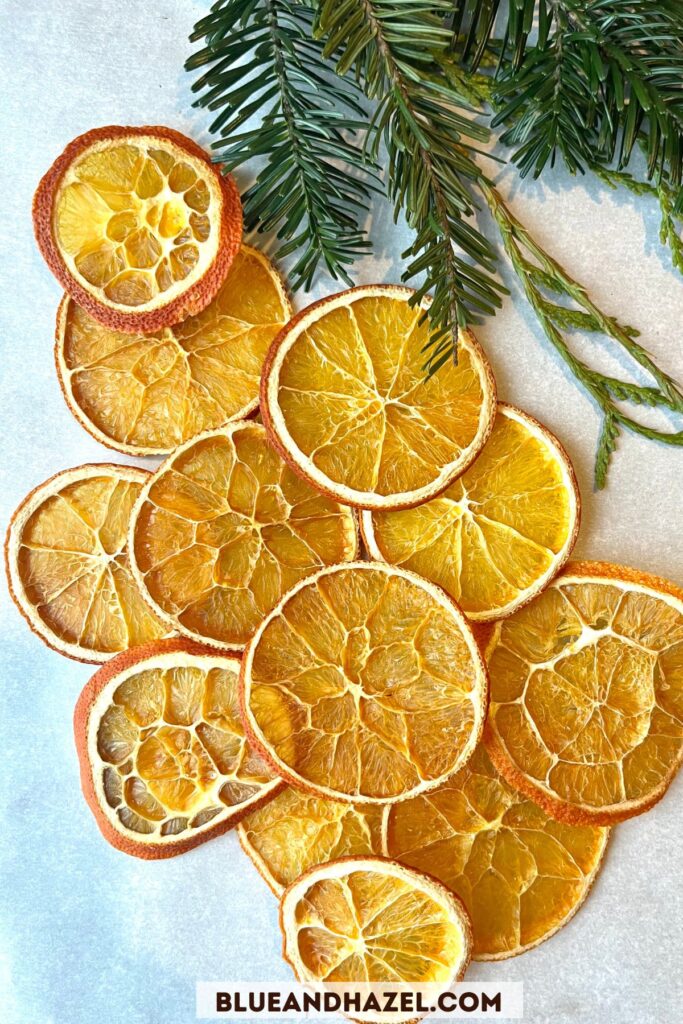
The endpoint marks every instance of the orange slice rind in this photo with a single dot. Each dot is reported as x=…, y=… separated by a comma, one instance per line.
x=67, y=563
x=586, y=713
x=364, y=684
x=345, y=397
x=164, y=761
x=147, y=394
x=520, y=874
x=224, y=527
x=137, y=225
x=500, y=532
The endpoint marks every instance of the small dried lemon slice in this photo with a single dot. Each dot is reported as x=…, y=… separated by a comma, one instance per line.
x=147, y=394
x=224, y=528
x=68, y=566
x=364, y=684
x=520, y=874
x=345, y=397
x=500, y=532
x=137, y=225
x=586, y=710
x=164, y=761
x=367, y=920
x=296, y=830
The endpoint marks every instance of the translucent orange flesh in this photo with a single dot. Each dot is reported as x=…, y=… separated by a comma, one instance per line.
x=496, y=531
x=74, y=567
x=519, y=873
x=368, y=926
x=173, y=751
x=364, y=684
x=227, y=528
x=131, y=219
x=356, y=401
x=156, y=391
x=295, y=831
x=587, y=692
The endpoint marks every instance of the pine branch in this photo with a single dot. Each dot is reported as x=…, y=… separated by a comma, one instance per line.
x=539, y=272
x=260, y=58
x=394, y=49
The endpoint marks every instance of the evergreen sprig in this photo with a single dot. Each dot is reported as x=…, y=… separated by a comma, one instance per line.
x=260, y=57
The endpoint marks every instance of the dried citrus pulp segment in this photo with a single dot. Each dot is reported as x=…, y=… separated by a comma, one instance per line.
x=498, y=534
x=587, y=693
x=364, y=684
x=164, y=761
x=296, y=830
x=346, y=397
x=224, y=528
x=520, y=873
x=365, y=919
x=138, y=225
x=68, y=566
x=147, y=394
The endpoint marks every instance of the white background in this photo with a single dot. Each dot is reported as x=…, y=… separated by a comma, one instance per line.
x=91, y=935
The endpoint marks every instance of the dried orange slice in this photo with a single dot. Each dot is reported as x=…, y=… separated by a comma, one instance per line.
x=365, y=919
x=137, y=225
x=364, y=684
x=164, y=762
x=520, y=874
x=500, y=532
x=146, y=395
x=345, y=396
x=67, y=563
x=224, y=527
x=296, y=830
x=587, y=693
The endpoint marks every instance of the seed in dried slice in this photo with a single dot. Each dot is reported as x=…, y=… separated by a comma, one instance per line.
x=521, y=874
x=364, y=684
x=147, y=394
x=68, y=568
x=137, y=225
x=587, y=693
x=366, y=919
x=164, y=761
x=224, y=528
x=500, y=532
x=345, y=396
x=296, y=830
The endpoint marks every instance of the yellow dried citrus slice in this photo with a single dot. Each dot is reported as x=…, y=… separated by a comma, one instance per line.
x=345, y=396
x=137, y=225
x=500, y=532
x=68, y=567
x=365, y=919
x=364, y=684
x=520, y=874
x=224, y=528
x=164, y=761
x=147, y=394
x=587, y=693
x=296, y=830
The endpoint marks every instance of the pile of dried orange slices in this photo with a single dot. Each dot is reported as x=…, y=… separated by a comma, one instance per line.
x=350, y=624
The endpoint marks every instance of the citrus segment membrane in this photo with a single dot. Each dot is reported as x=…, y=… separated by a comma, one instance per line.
x=364, y=684
x=346, y=397
x=68, y=565
x=498, y=534
x=164, y=760
x=520, y=874
x=296, y=830
x=224, y=528
x=147, y=394
x=365, y=920
x=587, y=693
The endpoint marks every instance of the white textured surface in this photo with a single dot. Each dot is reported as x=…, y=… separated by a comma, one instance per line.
x=90, y=935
